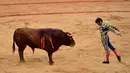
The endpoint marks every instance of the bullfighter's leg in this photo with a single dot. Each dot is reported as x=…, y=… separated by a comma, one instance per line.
x=21, y=56
x=105, y=45
x=50, y=58
x=114, y=50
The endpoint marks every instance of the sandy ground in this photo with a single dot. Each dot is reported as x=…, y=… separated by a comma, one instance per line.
x=75, y=17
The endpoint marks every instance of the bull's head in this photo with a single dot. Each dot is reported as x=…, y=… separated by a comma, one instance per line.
x=70, y=40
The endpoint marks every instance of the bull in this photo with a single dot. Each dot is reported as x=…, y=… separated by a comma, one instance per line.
x=48, y=39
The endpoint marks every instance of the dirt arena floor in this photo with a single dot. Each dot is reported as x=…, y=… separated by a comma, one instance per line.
x=75, y=16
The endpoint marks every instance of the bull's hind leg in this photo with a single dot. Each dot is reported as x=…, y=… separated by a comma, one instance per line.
x=50, y=58
x=21, y=51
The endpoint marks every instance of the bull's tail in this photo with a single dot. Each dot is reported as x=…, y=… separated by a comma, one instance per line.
x=13, y=46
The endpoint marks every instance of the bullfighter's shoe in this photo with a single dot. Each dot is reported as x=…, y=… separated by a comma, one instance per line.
x=119, y=58
x=105, y=62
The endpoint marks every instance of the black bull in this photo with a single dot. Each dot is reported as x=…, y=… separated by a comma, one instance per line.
x=32, y=37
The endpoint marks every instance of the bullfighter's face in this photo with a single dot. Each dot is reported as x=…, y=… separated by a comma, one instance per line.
x=71, y=41
x=99, y=23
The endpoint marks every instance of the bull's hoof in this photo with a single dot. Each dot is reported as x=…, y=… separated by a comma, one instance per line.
x=51, y=62
x=22, y=61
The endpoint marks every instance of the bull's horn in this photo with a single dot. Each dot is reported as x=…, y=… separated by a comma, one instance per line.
x=73, y=33
x=68, y=34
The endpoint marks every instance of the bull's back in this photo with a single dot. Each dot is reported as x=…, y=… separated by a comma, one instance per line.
x=32, y=36
x=24, y=32
x=28, y=36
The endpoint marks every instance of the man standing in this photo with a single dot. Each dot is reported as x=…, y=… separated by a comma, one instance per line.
x=105, y=27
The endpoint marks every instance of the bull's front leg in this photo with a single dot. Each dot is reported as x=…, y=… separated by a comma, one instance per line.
x=50, y=58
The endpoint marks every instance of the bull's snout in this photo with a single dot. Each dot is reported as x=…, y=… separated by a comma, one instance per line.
x=72, y=43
